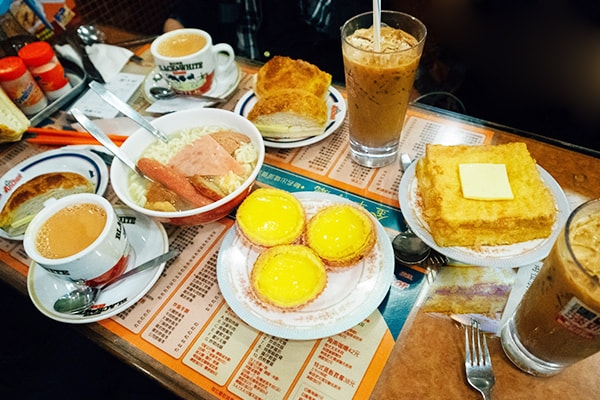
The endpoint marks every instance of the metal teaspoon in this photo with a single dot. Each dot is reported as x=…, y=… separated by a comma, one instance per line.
x=408, y=247
x=81, y=299
x=164, y=93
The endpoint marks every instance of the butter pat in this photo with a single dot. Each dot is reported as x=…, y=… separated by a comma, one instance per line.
x=485, y=181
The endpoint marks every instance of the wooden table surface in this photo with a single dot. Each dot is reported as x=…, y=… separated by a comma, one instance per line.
x=427, y=361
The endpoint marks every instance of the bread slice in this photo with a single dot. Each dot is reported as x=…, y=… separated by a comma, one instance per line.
x=28, y=199
x=12, y=120
x=457, y=221
x=289, y=113
x=285, y=73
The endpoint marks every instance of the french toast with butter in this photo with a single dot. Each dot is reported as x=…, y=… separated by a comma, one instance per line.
x=455, y=220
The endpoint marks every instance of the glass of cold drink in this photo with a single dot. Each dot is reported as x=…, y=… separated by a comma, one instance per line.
x=557, y=323
x=379, y=79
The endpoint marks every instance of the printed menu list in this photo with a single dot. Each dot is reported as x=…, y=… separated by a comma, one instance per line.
x=184, y=322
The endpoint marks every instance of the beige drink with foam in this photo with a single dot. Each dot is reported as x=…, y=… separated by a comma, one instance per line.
x=378, y=83
x=558, y=319
x=70, y=230
x=181, y=45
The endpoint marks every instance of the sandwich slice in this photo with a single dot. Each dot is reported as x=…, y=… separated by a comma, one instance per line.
x=289, y=113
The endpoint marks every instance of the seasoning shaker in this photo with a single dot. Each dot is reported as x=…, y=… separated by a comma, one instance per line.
x=19, y=85
x=46, y=69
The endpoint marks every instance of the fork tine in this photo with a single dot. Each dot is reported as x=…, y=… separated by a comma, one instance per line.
x=477, y=359
x=488, y=360
x=479, y=349
x=467, y=348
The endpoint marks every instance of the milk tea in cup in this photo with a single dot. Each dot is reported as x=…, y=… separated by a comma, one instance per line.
x=557, y=322
x=79, y=238
x=188, y=60
x=379, y=79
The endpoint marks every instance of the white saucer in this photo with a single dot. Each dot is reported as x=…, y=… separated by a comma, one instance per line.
x=351, y=295
x=66, y=159
x=224, y=84
x=336, y=112
x=148, y=239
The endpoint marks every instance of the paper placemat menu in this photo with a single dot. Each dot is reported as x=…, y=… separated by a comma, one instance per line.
x=185, y=324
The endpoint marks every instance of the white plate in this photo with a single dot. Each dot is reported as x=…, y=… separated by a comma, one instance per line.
x=508, y=256
x=224, y=84
x=148, y=240
x=65, y=159
x=351, y=295
x=336, y=111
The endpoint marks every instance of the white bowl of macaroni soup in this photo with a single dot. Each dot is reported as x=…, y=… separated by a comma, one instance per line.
x=207, y=167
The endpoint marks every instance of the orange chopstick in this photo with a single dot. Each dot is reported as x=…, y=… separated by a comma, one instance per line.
x=60, y=132
x=66, y=140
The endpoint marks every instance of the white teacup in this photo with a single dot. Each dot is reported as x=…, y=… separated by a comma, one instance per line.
x=187, y=59
x=79, y=238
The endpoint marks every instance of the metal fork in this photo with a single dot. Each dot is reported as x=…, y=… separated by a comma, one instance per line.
x=433, y=264
x=478, y=367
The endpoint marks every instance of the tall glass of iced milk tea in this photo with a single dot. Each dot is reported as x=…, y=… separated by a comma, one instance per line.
x=557, y=322
x=379, y=78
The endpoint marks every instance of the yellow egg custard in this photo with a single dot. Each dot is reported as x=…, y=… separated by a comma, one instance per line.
x=341, y=234
x=288, y=276
x=271, y=217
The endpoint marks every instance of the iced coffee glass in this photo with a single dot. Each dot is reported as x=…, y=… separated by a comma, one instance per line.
x=379, y=80
x=557, y=323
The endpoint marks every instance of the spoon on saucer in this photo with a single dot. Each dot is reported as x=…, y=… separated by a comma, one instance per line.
x=81, y=299
x=164, y=93
x=408, y=247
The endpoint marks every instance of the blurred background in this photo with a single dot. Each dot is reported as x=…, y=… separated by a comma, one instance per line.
x=528, y=64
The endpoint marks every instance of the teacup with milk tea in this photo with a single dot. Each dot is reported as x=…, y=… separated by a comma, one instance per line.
x=188, y=60
x=79, y=238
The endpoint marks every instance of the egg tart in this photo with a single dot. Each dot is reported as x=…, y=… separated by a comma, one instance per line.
x=341, y=234
x=288, y=276
x=271, y=217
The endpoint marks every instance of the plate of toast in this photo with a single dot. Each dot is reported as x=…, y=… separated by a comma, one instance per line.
x=49, y=175
x=336, y=112
x=512, y=255
x=292, y=103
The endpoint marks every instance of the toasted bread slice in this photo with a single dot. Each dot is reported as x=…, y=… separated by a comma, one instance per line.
x=12, y=120
x=285, y=73
x=289, y=113
x=28, y=199
x=458, y=221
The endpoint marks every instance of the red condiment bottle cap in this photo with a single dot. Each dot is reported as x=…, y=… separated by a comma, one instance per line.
x=11, y=68
x=37, y=53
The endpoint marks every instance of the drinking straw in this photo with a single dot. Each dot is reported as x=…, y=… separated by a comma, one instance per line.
x=377, y=24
